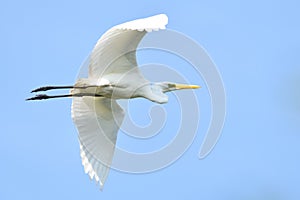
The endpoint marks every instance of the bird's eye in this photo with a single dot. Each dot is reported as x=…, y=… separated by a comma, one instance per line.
x=170, y=85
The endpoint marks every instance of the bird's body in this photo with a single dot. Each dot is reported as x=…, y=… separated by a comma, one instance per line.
x=121, y=89
x=113, y=74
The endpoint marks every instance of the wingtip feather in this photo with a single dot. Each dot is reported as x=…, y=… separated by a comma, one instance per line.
x=90, y=170
x=148, y=24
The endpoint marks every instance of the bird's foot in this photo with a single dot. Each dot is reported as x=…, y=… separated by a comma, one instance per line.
x=38, y=97
x=45, y=88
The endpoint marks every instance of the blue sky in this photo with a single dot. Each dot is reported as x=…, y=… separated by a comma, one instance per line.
x=256, y=47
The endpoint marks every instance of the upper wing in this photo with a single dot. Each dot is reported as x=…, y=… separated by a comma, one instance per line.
x=97, y=121
x=115, y=50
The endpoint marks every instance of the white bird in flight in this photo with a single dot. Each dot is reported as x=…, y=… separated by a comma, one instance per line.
x=113, y=74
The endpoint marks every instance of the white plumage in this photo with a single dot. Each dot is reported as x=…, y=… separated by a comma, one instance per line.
x=113, y=74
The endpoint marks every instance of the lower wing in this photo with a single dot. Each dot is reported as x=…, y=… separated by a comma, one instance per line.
x=98, y=120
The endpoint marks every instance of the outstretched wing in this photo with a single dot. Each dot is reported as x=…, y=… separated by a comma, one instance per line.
x=115, y=51
x=98, y=121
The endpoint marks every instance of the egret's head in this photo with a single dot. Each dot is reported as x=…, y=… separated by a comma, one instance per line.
x=167, y=86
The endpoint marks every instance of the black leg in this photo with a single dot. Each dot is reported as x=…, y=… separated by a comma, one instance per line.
x=44, y=96
x=46, y=88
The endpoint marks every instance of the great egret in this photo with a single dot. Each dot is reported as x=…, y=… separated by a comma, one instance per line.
x=113, y=74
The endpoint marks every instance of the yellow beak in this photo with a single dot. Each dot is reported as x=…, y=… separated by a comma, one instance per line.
x=183, y=86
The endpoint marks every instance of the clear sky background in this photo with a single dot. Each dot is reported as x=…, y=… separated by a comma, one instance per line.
x=255, y=45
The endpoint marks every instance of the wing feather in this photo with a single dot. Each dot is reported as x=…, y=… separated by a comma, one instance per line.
x=115, y=51
x=97, y=121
